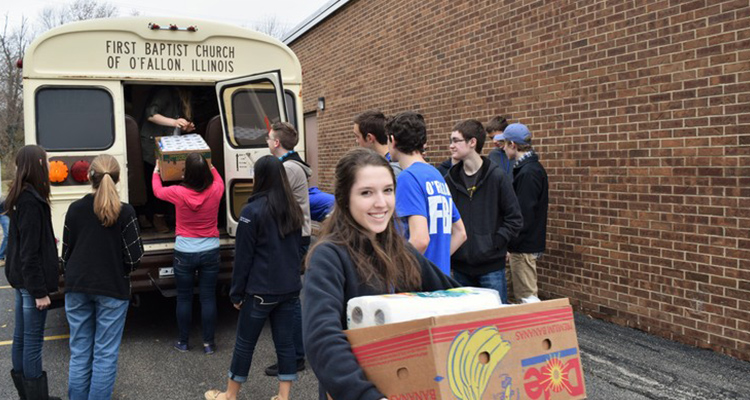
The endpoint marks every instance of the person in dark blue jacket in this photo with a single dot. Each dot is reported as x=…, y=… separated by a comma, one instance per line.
x=359, y=253
x=266, y=279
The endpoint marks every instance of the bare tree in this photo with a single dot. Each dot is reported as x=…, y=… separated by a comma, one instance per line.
x=271, y=26
x=13, y=43
x=78, y=10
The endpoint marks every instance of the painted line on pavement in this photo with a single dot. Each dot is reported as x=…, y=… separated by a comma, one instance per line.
x=48, y=338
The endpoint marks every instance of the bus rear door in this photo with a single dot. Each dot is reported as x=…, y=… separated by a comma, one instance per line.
x=249, y=106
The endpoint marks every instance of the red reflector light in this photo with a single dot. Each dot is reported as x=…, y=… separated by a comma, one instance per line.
x=80, y=171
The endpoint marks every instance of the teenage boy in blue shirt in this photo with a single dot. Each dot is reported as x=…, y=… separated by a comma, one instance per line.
x=423, y=201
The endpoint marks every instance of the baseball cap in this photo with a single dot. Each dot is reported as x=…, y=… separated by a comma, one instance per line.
x=497, y=137
x=516, y=133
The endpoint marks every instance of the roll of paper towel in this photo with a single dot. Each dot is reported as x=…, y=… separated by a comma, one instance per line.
x=365, y=311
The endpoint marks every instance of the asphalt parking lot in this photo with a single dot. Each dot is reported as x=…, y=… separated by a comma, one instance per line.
x=619, y=363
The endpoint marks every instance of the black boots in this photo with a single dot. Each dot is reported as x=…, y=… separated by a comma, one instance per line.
x=36, y=389
x=18, y=382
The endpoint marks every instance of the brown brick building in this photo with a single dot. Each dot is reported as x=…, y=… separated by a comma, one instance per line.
x=641, y=113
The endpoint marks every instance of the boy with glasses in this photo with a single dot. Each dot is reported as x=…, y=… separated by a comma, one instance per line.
x=484, y=196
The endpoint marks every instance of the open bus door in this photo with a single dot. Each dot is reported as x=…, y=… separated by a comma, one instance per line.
x=249, y=106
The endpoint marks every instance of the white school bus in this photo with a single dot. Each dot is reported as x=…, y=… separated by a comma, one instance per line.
x=86, y=86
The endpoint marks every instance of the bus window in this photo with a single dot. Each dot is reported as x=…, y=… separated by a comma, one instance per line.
x=254, y=110
x=70, y=118
x=291, y=108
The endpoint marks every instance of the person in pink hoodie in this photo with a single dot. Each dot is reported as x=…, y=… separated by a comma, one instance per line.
x=196, y=199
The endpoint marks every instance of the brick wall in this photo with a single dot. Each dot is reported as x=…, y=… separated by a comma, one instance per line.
x=641, y=113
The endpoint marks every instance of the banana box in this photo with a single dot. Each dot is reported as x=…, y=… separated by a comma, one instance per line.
x=527, y=351
x=171, y=151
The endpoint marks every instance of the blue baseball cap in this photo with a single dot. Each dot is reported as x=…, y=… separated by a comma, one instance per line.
x=497, y=137
x=516, y=133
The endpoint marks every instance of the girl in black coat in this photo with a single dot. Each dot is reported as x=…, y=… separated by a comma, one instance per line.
x=31, y=267
x=360, y=253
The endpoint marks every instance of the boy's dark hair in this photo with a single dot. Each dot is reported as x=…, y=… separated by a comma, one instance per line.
x=472, y=129
x=286, y=134
x=409, y=130
x=198, y=175
x=497, y=124
x=372, y=121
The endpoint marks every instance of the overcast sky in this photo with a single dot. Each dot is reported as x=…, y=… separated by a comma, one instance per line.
x=246, y=13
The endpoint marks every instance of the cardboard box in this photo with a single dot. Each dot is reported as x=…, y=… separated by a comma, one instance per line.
x=171, y=151
x=527, y=351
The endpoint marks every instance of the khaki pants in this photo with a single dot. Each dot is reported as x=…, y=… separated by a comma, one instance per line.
x=523, y=273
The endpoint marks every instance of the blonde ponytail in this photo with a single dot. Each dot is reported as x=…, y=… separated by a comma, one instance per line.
x=105, y=173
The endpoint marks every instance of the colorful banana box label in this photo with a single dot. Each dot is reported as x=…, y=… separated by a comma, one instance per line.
x=521, y=352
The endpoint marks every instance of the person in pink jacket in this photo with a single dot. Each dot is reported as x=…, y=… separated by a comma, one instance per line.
x=196, y=199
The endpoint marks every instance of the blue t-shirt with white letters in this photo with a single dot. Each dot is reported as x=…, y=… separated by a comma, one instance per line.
x=421, y=190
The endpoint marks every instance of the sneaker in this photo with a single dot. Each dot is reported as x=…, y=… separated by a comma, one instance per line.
x=209, y=348
x=273, y=370
x=530, y=299
x=181, y=346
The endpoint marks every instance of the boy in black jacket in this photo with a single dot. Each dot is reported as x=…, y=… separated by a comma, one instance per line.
x=484, y=196
x=531, y=187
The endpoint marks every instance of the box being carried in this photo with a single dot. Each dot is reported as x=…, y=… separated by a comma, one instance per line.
x=171, y=151
x=527, y=351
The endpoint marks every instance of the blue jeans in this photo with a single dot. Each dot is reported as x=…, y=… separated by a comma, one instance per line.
x=253, y=314
x=207, y=264
x=4, y=221
x=28, y=336
x=96, y=323
x=491, y=280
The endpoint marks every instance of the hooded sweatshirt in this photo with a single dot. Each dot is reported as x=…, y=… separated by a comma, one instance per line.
x=197, y=212
x=298, y=172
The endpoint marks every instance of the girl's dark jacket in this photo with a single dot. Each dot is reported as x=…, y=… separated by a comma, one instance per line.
x=32, y=261
x=330, y=281
x=264, y=262
x=97, y=259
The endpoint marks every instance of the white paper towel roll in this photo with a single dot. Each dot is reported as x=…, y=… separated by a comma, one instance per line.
x=365, y=311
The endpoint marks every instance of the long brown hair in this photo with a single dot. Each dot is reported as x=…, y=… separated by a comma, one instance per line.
x=105, y=173
x=31, y=170
x=384, y=261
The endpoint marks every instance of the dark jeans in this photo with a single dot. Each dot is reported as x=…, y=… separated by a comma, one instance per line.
x=299, y=346
x=253, y=314
x=28, y=336
x=491, y=280
x=207, y=264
